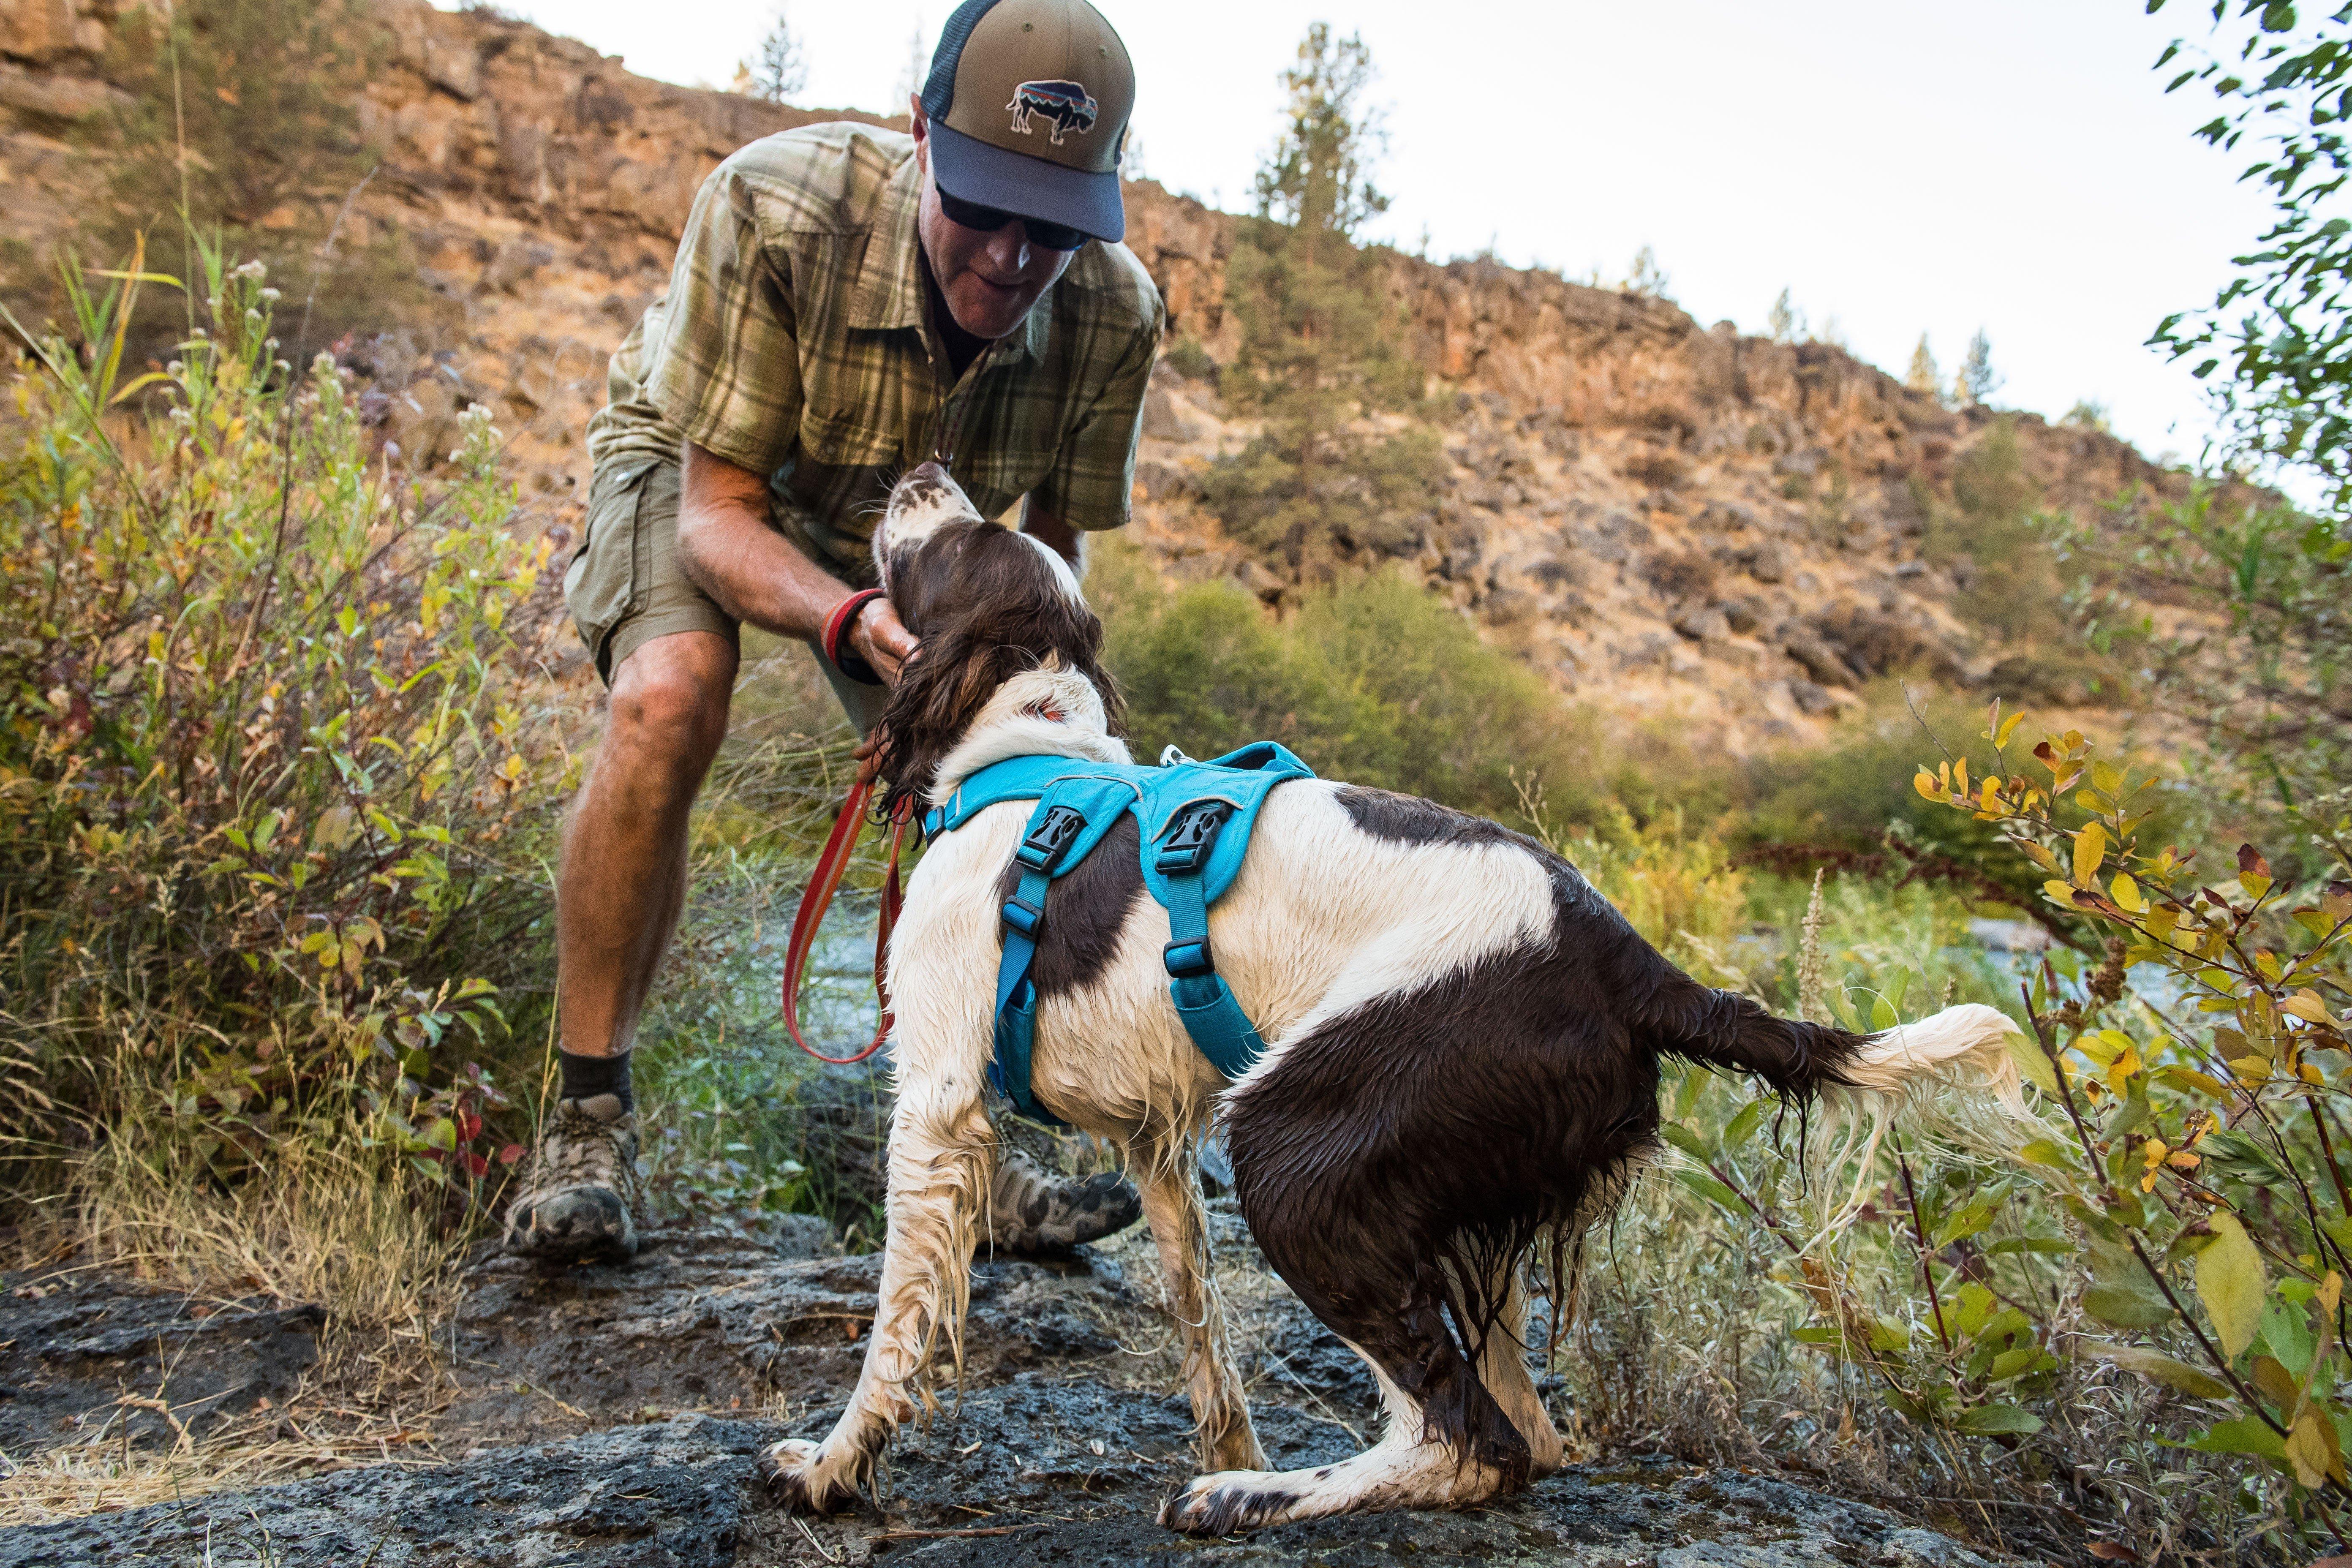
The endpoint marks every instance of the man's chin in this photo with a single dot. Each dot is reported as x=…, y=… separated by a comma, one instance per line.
x=987, y=312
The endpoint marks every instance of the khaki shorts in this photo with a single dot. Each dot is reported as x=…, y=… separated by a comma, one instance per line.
x=627, y=585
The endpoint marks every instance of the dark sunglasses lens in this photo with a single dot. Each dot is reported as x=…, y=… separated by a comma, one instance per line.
x=1053, y=236
x=988, y=220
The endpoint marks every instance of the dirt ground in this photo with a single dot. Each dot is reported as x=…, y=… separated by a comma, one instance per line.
x=611, y=1416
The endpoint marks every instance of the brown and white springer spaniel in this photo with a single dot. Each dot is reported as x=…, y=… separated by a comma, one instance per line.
x=1463, y=1043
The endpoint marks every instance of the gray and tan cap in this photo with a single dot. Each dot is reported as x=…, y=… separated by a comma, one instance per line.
x=1028, y=102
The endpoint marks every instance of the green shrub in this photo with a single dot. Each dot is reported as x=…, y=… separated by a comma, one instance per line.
x=277, y=767
x=1374, y=681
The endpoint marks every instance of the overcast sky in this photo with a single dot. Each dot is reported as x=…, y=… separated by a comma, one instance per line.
x=2008, y=165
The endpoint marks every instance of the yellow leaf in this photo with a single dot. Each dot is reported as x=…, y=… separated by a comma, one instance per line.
x=2232, y=1284
x=2090, y=849
x=2008, y=727
x=1924, y=782
x=2306, y=1005
x=2126, y=893
x=2061, y=892
x=1961, y=776
x=2309, y=1451
x=2107, y=778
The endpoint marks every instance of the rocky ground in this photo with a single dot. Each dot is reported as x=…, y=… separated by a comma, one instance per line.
x=612, y=1414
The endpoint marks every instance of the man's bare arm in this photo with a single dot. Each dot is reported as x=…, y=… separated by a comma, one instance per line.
x=756, y=574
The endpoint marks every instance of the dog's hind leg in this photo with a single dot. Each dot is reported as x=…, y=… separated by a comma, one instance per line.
x=941, y=1151
x=1412, y=1466
x=1171, y=1202
x=1348, y=1247
x=1503, y=1368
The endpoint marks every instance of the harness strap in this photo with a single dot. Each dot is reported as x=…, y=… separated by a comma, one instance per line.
x=1221, y=1031
x=1053, y=828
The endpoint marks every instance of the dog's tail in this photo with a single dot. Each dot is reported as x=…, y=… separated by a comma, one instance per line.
x=1963, y=1048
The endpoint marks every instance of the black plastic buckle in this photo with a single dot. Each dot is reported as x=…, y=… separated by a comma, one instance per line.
x=1050, y=838
x=1190, y=837
x=1188, y=958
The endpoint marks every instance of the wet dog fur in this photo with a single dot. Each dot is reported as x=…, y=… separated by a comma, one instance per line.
x=1463, y=1050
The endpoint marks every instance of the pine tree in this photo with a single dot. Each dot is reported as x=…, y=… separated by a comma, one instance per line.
x=1321, y=340
x=779, y=71
x=1786, y=324
x=1924, y=375
x=1977, y=380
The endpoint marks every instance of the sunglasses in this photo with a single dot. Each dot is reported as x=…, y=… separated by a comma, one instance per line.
x=988, y=220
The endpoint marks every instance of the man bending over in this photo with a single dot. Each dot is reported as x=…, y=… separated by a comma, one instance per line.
x=846, y=301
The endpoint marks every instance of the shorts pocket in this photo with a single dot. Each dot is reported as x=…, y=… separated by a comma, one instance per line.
x=611, y=575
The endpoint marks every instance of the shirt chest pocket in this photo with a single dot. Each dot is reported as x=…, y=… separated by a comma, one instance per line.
x=848, y=441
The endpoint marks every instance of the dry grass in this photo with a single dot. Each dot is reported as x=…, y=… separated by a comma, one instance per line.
x=107, y=1471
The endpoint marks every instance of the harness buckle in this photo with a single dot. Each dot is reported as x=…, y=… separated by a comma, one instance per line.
x=1024, y=916
x=1190, y=835
x=1188, y=958
x=1050, y=838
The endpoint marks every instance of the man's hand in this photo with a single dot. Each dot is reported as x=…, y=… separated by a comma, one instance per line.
x=881, y=640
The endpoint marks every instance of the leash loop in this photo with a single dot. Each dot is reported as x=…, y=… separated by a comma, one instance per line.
x=832, y=864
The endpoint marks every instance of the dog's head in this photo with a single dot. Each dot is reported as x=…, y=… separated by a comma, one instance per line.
x=987, y=605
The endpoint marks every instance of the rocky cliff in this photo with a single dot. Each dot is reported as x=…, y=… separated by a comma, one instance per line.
x=1659, y=516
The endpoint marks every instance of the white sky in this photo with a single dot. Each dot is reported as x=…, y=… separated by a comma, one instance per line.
x=2012, y=165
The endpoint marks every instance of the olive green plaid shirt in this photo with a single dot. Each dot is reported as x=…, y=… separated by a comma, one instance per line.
x=796, y=340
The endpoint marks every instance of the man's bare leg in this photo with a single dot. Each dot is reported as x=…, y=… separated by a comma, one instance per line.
x=620, y=887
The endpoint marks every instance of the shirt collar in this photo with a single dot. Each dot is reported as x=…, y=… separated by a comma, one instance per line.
x=890, y=292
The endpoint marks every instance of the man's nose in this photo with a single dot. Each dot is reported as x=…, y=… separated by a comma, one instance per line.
x=1008, y=250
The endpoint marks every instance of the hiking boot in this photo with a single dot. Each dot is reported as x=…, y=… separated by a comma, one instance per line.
x=1031, y=1212
x=580, y=1197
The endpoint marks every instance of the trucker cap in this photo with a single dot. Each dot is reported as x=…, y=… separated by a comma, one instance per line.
x=1028, y=102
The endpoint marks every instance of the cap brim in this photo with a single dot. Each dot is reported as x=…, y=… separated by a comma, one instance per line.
x=972, y=171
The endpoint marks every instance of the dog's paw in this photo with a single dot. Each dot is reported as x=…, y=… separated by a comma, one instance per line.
x=1231, y=1503
x=798, y=1478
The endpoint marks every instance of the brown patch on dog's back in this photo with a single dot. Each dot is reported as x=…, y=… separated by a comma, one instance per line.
x=1086, y=911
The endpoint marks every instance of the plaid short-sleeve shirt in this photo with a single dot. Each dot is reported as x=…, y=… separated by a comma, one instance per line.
x=796, y=340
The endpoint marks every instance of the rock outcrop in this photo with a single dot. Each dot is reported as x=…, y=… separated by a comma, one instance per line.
x=1659, y=517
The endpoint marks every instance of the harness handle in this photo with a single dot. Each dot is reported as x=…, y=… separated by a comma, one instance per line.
x=832, y=864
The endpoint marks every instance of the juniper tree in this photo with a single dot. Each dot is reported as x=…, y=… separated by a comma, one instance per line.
x=1320, y=336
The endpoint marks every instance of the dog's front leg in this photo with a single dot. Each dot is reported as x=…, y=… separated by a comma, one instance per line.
x=941, y=1152
x=1172, y=1203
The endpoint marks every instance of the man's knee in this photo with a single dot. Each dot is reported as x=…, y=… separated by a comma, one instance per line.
x=669, y=701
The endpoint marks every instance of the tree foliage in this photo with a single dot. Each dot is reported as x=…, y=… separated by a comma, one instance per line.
x=1924, y=375
x=2281, y=76
x=1320, y=349
x=778, y=70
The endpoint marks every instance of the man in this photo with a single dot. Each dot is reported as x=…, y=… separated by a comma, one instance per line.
x=847, y=301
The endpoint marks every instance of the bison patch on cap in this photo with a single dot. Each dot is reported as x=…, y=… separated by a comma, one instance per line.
x=1065, y=105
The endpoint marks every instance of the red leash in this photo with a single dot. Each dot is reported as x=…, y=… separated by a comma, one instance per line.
x=832, y=864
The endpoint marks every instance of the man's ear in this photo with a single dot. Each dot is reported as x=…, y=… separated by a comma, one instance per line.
x=920, y=129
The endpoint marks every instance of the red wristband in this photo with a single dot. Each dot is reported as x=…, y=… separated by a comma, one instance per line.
x=837, y=626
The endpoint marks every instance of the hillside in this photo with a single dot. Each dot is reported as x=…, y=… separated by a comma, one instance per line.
x=1659, y=517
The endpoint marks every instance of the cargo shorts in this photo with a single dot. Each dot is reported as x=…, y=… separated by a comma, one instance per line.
x=627, y=585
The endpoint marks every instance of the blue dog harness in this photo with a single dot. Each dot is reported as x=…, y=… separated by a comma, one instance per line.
x=1195, y=821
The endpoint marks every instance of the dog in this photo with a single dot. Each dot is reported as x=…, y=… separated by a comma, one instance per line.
x=1462, y=1046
